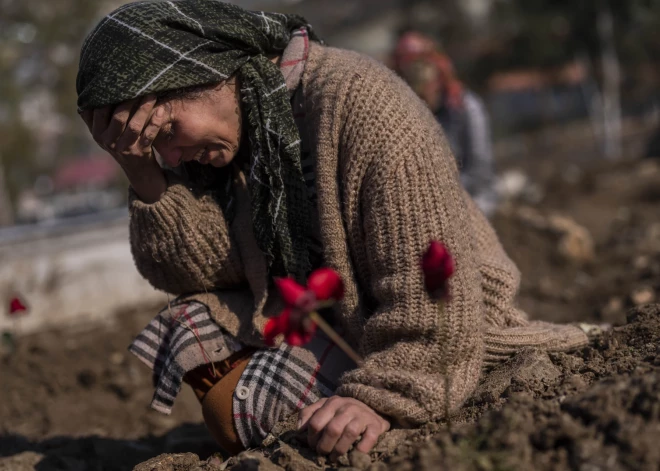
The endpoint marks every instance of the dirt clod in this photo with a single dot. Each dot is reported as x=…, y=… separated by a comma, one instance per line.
x=359, y=460
x=643, y=295
x=165, y=462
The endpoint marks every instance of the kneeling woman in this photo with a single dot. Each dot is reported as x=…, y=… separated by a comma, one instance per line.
x=284, y=155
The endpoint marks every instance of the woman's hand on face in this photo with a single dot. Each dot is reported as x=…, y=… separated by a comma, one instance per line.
x=335, y=423
x=127, y=133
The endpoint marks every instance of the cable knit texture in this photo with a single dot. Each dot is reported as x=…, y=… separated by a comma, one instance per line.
x=387, y=184
x=183, y=228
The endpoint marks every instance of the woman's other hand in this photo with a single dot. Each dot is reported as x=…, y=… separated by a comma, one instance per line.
x=127, y=133
x=334, y=424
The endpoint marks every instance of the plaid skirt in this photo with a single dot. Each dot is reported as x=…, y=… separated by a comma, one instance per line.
x=276, y=383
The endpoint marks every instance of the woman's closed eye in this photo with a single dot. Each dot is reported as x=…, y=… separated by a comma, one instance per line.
x=168, y=132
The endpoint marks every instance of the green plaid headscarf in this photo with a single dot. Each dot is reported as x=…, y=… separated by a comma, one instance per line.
x=151, y=47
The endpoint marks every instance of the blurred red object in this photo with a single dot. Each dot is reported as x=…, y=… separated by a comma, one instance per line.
x=94, y=172
x=414, y=46
x=438, y=267
x=323, y=286
x=17, y=307
x=297, y=328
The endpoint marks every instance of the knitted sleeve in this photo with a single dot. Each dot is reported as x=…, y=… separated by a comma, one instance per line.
x=181, y=243
x=418, y=358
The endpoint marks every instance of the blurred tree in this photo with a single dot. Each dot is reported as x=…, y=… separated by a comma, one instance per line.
x=550, y=32
x=604, y=35
x=39, y=45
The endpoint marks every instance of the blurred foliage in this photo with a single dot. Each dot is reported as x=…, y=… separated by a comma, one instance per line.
x=39, y=44
x=542, y=33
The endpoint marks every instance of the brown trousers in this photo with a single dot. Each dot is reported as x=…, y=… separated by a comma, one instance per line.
x=215, y=390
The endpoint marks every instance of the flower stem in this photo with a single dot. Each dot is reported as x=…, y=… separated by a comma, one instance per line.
x=334, y=336
x=445, y=369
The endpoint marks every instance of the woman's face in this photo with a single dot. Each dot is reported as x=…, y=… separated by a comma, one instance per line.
x=206, y=128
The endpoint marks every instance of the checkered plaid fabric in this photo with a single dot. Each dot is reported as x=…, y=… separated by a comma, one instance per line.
x=179, y=339
x=279, y=382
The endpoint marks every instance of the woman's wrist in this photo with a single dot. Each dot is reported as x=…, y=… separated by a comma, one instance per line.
x=148, y=183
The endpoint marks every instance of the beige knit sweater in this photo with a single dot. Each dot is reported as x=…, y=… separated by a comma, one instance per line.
x=387, y=184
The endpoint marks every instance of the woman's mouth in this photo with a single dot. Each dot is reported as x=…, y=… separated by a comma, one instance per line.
x=201, y=155
x=206, y=157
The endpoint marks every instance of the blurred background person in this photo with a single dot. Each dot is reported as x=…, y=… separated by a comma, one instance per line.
x=460, y=111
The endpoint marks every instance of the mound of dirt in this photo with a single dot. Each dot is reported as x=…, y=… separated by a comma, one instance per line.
x=598, y=408
x=79, y=400
x=589, y=250
x=612, y=211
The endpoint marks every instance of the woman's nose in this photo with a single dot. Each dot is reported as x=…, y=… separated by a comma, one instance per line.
x=171, y=156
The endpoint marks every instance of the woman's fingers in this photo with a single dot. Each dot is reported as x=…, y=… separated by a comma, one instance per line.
x=117, y=124
x=88, y=117
x=100, y=120
x=307, y=413
x=318, y=422
x=136, y=124
x=336, y=423
x=370, y=436
x=339, y=431
x=352, y=432
x=119, y=130
x=153, y=127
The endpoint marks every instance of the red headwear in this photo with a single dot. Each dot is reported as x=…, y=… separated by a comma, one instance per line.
x=413, y=47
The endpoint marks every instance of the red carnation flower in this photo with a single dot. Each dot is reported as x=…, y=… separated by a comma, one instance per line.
x=297, y=328
x=326, y=284
x=438, y=267
x=323, y=286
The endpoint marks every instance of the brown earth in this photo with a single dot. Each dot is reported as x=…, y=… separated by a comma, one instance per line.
x=589, y=251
